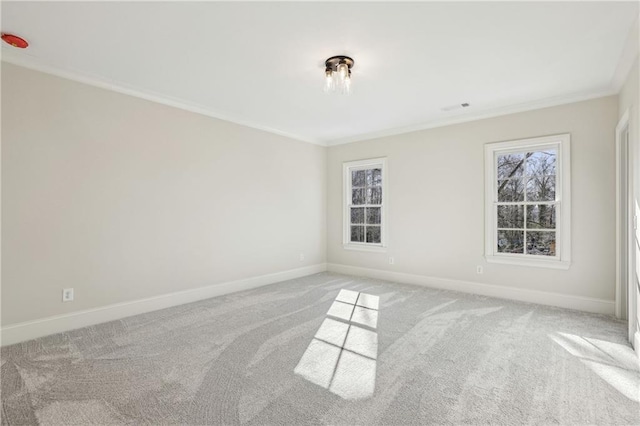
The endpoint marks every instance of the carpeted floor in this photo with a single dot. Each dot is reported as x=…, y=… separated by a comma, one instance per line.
x=305, y=352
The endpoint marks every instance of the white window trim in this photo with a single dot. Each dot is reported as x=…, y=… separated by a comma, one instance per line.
x=563, y=193
x=346, y=200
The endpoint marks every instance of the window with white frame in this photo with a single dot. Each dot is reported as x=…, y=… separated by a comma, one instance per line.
x=364, y=204
x=528, y=207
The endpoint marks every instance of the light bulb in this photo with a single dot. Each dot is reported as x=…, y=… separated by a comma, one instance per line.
x=346, y=88
x=343, y=70
x=328, y=81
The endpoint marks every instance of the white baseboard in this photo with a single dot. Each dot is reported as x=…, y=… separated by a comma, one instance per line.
x=636, y=342
x=20, y=332
x=600, y=306
x=28, y=330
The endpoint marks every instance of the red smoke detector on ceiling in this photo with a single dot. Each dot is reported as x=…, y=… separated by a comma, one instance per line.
x=15, y=41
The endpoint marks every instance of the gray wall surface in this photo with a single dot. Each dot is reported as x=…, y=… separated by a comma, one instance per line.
x=436, y=200
x=122, y=198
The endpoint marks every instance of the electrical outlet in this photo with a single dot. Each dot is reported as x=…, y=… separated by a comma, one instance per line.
x=67, y=295
x=391, y=261
x=479, y=269
x=301, y=257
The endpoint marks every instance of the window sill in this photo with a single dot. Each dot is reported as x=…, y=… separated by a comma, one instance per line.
x=365, y=247
x=537, y=263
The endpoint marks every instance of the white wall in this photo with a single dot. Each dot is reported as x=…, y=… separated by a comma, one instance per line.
x=629, y=101
x=125, y=199
x=122, y=199
x=436, y=196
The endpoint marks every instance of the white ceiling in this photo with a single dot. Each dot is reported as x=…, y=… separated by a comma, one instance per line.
x=261, y=64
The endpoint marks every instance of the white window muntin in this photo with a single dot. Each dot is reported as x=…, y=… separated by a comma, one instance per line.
x=561, y=144
x=352, y=166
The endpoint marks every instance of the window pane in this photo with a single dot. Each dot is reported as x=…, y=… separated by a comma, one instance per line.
x=541, y=216
x=377, y=177
x=541, y=243
x=357, y=215
x=510, y=241
x=541, y=163
x=374, y=195
x=511, y=190
x=357, y=178
x=541, y=188
x=373, y=215
x=357, y=234
x=510, y=165
x=373, y=234
x=366, y=189
x=357, y=196
x=511, y=217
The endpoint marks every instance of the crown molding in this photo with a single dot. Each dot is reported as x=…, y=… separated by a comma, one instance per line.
x=480, y=115
x=33, y=63
x=630, y=53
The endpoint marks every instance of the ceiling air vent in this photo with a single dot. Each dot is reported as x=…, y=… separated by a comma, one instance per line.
x=456, y=106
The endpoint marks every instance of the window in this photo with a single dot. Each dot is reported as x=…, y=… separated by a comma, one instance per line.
x=365, y=203
x=528, y=202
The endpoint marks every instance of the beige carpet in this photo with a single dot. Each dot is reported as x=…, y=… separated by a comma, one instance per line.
x=330, y=349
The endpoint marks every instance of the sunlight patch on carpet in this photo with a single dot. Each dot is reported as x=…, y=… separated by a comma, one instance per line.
x=616, y=364
x=342, y=355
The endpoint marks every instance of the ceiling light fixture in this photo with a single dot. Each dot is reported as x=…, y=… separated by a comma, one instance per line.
x=337, y=74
